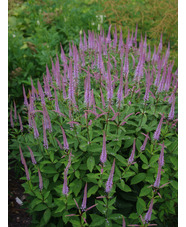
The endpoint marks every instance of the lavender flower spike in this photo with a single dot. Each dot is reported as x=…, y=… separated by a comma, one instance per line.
x=65, y=187
x=20, y=122
x=84, y=203
x=36, y=133
x=158, y=130
x=66, y=146
x=15, y=112
x=40, y=180
x=11, y=118
x=131, y=158
x=157, y=181
x=45, y=141
x=26, y=170
x=32, y=156
x=25, y=98
x=142, y=148
x=149, y=212
x=161, y=159
x=110, y=179
x=171, y=114
x=103, y=157
x=22, y=157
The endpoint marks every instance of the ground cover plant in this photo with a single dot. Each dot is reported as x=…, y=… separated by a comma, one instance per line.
x=100, y=145
x=35, y=30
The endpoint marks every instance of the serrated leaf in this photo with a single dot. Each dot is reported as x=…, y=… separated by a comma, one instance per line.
x=153, y=159
x=174, y=184
x=47, y=215
x=49, y=169
x=140, y=206
x=128, y=174
x=55, y=177
x=144, y=159
x=92, y=190
x=138, y=178
x=40, y=207
x=145, y=191
x=90, y=163
x=96, y=220
x=121, y=159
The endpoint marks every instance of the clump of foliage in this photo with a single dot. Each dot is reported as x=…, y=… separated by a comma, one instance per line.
x=35, y=30
x=153, y=17
x=100, y=147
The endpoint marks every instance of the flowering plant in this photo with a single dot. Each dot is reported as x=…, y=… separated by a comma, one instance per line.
x=102, y=130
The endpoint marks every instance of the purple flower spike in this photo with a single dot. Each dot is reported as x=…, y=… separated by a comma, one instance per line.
x=11, y=119
x=36, y=133
x=120, y=90
x=66, y=146
x=158, y=130
x=110, y=179
x=149, y=212
x=59, y=144
x=103, y=157
x=25, y=98
x=158, y=178
x=15, y=112
x=21, y=154
x=161, y=159
x=40, y=180
x=56, y=101
x=32, y=156
x=142, y=148
x=171, y=114
x=25, y=166
x=84, y=203
x=102, y=98
x=65, y=187
x=131, y=158
x=45, y=141
x=20, y=122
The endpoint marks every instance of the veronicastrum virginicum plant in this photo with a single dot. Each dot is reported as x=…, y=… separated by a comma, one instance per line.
x=100, y=147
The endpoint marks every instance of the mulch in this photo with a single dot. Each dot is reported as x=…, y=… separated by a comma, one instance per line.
x=17, y=216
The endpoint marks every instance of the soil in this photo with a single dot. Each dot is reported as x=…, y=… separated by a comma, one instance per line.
x=17, y=216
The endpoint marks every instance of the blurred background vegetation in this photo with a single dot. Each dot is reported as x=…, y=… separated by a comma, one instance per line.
x=36, y=29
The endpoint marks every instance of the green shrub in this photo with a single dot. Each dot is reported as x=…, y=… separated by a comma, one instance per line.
x=101, y=132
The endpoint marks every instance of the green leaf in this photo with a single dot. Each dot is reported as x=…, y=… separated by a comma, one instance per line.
x=49, y=169
x=35, y=202
x=47, y=215
x=77, y=174
x=138, y=178
x=96, y=220
x=138, y=144
x=121, y=159
x=83, y=146
x=154, y=159
x=40, y=207
x=144, y=159
x=174, y=184
x=46, y=195
x=60, y=208
x=140, y=206
x=145, y=191
x=90, y=163
x=92, y=190
x=55, y=177
x=77, y=185
x=128, y=174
